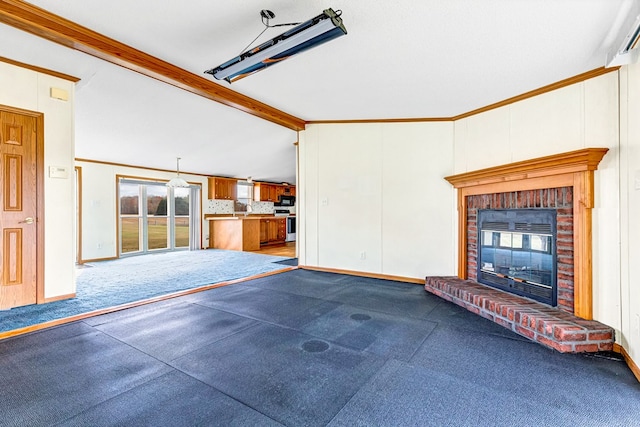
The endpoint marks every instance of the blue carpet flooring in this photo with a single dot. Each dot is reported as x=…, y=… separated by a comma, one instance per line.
x=111, y=283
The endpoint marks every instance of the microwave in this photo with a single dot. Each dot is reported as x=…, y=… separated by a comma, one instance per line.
x=286, y=201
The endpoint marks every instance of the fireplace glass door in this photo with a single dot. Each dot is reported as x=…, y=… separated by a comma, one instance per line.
x=517, y=252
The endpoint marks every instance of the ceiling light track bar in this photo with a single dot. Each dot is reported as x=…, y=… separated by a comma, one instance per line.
x=42, y=23
x=309, y=34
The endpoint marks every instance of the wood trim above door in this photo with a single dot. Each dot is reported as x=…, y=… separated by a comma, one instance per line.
x=40, y=69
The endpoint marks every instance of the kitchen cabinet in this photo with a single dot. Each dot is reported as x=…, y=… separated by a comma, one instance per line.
x=273, y=230
x=289, y=190
x=222, y=188
x=265, y=192
x=282, y=229
x=264, y=233
x=273, y=193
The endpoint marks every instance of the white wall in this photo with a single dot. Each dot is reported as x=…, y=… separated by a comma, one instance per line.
x=630, y=209
x=99, y=205
x=379, y=188
x=579, y=116
x=30, y=90
x=372, y=198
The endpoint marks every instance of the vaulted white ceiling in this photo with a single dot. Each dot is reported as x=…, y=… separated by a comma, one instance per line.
x=401, y=59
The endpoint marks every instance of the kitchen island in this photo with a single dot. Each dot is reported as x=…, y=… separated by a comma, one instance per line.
x=237, y=233
x=245, y=232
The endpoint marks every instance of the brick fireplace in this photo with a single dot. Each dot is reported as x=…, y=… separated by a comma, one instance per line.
x=564, y=183
x=558, y=199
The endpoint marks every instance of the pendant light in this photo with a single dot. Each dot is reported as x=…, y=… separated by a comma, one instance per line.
x=177, y=181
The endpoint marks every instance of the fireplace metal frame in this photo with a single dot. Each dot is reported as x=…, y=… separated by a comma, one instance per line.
x=524, y=222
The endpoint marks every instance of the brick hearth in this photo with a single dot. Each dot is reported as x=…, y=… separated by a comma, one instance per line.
x=564, y=182
x=546, y=325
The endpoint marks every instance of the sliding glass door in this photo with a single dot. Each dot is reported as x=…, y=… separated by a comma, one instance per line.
x=154, y=217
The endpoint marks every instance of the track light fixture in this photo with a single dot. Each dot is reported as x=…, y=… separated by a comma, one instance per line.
x=324, y=27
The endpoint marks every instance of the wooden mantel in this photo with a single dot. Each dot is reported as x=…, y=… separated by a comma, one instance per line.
x=572, y=169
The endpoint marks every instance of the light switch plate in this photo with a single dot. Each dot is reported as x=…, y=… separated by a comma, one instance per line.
x=58, y=172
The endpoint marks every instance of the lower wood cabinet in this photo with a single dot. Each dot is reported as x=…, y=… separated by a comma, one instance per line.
x=273, y=230
x=238, y=234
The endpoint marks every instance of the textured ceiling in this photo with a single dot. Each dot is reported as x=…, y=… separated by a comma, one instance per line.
x=401, y=59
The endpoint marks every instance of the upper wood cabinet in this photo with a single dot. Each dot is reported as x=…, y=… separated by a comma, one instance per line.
x=222, y=188
x=266, y=192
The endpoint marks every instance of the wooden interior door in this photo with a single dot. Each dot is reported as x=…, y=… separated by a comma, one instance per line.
x=18, y=216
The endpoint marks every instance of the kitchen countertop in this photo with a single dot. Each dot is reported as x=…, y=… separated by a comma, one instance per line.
x=214, y=217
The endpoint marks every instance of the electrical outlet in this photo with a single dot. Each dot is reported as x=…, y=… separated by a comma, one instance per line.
x=638, y=324
x=99, y=245
x=363, y=255
x=325, y=202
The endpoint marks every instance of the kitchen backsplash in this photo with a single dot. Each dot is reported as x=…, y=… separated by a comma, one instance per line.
x=262, y=207
x=226, y=207
x=219, y=207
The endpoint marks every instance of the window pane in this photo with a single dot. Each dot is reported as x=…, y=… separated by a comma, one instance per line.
x=182, y=201
x=156, y=232
x=517, y=241
x=244, y=190
x=181, y=230
x=540, y=243
x=129, y=198
x=157, y=200
x=130, y=233
x=157, y=217
x=505, y=240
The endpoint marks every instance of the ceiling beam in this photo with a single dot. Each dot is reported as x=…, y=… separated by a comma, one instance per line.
x=41, y=23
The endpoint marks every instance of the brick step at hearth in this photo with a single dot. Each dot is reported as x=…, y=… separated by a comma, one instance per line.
x=541, y=323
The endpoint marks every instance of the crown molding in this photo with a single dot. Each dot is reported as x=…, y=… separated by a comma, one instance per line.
x=544, y=89
x=125, y=165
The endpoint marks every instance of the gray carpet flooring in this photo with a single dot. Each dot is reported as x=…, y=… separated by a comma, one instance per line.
x=305, y=348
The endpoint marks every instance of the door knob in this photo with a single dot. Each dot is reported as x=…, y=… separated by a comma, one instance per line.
x=28, y=220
